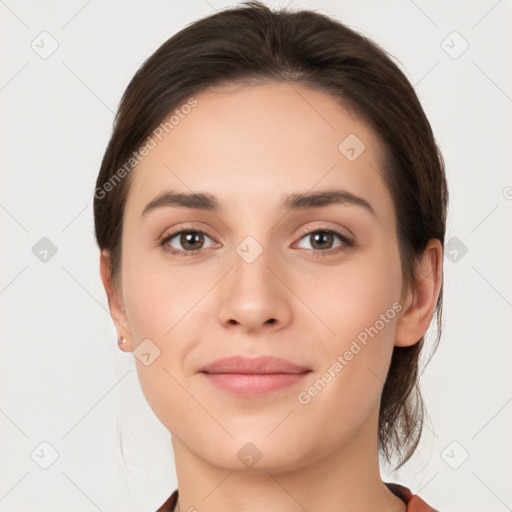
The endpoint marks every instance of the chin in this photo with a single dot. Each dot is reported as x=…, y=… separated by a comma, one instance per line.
x=253, y=454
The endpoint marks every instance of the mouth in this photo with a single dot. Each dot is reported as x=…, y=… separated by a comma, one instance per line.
x=251, y=377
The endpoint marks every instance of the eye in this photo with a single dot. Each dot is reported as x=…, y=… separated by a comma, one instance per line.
x=322, y=241
x=190, y=240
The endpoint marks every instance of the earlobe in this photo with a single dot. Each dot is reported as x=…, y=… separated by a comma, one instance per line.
x=420, y=301
x=115, y=302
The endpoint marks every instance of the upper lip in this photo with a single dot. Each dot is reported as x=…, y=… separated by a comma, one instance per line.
x=257, y=365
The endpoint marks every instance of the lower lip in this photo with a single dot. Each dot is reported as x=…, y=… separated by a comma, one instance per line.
x=253, y=385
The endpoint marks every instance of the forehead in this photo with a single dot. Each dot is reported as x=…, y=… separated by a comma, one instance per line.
x=253, y=145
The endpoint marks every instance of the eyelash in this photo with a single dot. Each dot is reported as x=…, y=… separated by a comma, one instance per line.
x=316, y=253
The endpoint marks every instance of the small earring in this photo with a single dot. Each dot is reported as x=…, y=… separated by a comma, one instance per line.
x=121, y=341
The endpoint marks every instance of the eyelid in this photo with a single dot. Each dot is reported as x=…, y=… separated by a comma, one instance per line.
x=326, y=227
x=185, y=227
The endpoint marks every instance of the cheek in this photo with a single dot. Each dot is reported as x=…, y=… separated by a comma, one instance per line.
x=361, y=307
x=159, y=308
x=352, y=296
x=359, y=302
x=167, y=306
x=158, y=296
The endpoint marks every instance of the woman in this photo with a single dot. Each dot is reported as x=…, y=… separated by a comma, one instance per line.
x=280, y=367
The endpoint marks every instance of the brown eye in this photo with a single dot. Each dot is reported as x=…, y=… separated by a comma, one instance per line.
x=183, y=242
x=322, y=240
x=191, y=240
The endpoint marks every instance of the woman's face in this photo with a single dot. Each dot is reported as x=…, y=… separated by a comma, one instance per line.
x=264, y=279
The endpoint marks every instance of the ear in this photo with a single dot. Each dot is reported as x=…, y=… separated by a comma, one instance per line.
x=420, y=299
x=115, y=302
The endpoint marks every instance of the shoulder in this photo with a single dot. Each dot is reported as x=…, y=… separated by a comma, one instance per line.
x=413, y=501
x=170, y=503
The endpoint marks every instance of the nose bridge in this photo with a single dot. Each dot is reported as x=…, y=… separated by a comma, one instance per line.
x=251, y=274
x=258, y=251
x=253, y=252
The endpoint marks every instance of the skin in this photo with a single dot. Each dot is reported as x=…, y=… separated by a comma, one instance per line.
x=251, y=147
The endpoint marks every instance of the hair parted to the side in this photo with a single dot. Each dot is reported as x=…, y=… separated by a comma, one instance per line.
x=250, y=44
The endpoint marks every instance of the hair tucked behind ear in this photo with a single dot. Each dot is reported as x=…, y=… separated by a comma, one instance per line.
x=252, y=43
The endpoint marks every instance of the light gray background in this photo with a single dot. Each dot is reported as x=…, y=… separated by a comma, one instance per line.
x=63, y=379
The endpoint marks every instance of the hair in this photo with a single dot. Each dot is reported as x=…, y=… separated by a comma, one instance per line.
x=252, y=43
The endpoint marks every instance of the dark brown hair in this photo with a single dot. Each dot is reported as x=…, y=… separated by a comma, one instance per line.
x=252, y=43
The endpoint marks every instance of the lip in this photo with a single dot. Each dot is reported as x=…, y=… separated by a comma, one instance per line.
x=252, y=366
x=251, y=377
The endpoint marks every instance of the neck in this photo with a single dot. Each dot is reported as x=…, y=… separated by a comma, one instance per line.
x=344, y=479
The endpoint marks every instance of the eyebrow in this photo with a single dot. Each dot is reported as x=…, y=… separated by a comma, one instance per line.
x=298, y=201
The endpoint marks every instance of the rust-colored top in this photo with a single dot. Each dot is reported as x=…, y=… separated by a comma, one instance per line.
x=413, y=501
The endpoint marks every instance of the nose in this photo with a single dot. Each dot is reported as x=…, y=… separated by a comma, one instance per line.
x=254, y=296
